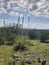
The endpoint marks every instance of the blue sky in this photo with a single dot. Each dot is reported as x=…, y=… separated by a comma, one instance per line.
x=37, y=10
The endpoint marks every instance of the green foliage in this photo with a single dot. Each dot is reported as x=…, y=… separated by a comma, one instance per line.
x=32, y=34
x=20, y=46
x=14, y=33
x=41, y=35
x=31, y=49
x=1, y=41
x=44, y=36
x=6, y=35
x=33, y=53
x=11, y=62
x=22, y=62
x=20, y=43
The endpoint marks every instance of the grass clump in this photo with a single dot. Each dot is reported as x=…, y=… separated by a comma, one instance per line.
x=22, y=62
x=11, y=62
x=20, y=46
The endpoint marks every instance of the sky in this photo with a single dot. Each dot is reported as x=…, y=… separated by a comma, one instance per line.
x=37, y=10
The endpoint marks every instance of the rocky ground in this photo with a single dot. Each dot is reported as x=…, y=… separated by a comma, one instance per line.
x=36, y=54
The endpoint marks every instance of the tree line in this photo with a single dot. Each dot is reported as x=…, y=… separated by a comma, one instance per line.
x=8, y=33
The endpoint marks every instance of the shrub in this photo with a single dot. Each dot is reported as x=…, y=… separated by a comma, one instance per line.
x=20, y=46
x=1, y=41
x=44, y=37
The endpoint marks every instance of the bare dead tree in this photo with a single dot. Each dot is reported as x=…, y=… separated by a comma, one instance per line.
x=18, y=19
x=18, y=22
x=22, y=23
x=4, y=23
x=28, y=21
x=28, y=24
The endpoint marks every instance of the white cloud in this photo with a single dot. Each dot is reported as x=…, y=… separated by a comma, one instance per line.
x=35, y=7
x=2, y=10
x=12, y=13
x=15, y=8
x=40, y=8
x=1, y=20
x=37, y=26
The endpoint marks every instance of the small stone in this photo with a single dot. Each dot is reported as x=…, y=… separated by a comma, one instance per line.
x=39, y=60
x=28, y=61
x=44, y=62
